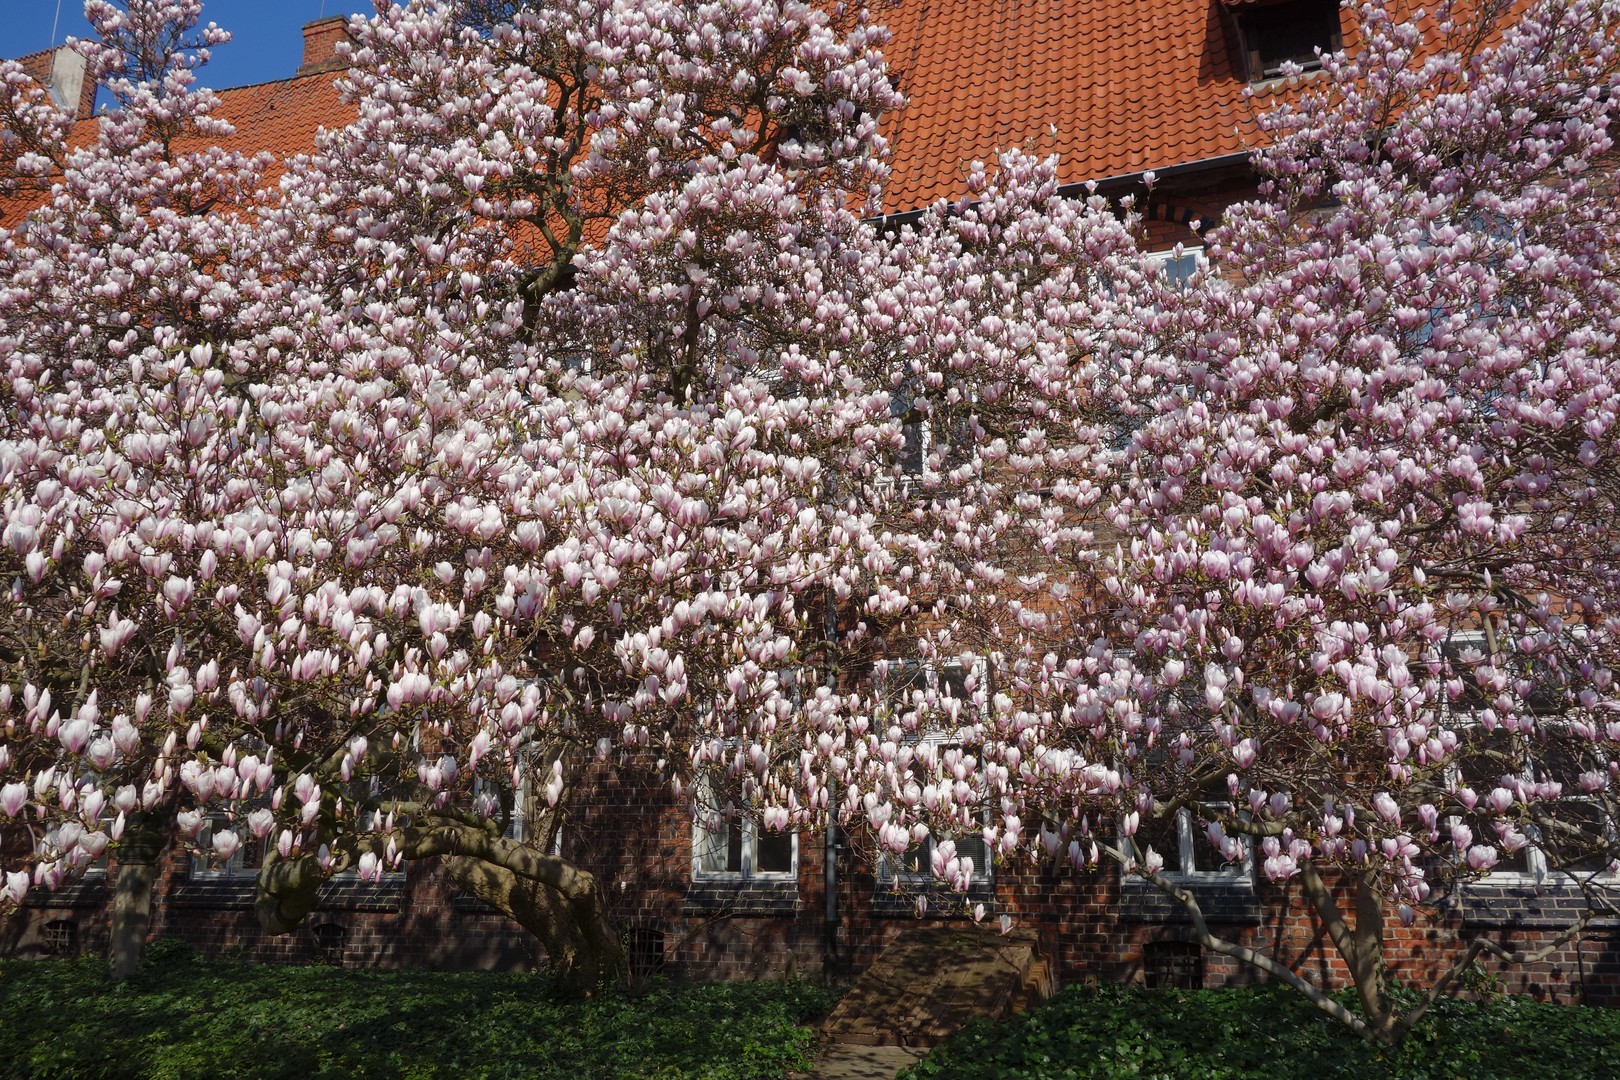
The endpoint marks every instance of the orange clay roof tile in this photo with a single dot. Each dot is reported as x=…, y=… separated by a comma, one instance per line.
x=1126, y=85
x=1113, y=86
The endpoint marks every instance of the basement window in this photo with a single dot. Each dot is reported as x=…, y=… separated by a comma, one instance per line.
x=61, y=937
x=1291, y=32
x=1173, y=965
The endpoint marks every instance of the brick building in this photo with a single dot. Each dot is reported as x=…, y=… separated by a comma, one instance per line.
x=1117, y=89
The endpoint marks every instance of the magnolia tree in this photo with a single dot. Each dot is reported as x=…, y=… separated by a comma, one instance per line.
x=312, y=539
x=124, y=264
x=332, y=517
x=1341, y=598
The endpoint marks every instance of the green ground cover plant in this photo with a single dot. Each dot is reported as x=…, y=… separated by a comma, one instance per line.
x=185, y=1017
x=1116, y=1032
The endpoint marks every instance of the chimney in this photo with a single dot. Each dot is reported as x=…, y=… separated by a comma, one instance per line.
x=69, y=85
x=321, y=39
x=64, y=75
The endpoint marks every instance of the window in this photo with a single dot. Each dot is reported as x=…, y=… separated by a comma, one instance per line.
x=905, y=686
x=915, y=866
x=85, y=849
x=1182, y=839
x=529, y=818
x=60, y=938
x=1291, y=32
x=330, y=938
x=1464, y=652
x=729, y=844
x=1173, y=965
x=1178, y=268
x=244, y=863
x=914, y=432
x=1569, y=834
x=1183, y=842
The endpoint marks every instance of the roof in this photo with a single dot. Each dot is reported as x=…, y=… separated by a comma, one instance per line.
x=48, y=65
x=283, y=117
x=1113, y=86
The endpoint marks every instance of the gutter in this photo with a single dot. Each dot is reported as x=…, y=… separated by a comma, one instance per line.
x=1104, y=186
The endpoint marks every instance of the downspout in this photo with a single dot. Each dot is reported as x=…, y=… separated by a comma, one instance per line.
x=829, y=863
x=829, y=856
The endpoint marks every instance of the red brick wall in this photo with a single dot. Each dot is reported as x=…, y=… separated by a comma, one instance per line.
x=321, y=39
x=625, y=828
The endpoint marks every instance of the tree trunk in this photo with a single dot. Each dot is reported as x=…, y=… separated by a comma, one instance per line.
x=556, y=902
x=285, y=892
x=1383, y=1016
x=144, y=839
x=1361, y=946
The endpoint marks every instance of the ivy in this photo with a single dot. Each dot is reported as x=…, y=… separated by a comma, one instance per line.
x=1118, y=1032
x=189, y=1018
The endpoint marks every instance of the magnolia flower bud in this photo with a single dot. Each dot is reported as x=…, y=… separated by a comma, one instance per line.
x=13, y=797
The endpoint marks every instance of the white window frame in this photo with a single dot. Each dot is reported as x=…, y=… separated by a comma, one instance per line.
x=1254, y=64
x=901, y=401
x=517, y=828
x=1161, y=261
x=1536, y=872
x=233, y=869
x=707, y=840
x=1187, y=828
x=392, y=875
x=97, y=868
x=1240, y=872
x=891, y=868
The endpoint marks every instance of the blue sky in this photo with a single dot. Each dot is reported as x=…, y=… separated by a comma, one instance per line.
x=267, y=39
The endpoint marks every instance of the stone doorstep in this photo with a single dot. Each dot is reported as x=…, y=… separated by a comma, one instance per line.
x=842, y=1062
x=929, y=983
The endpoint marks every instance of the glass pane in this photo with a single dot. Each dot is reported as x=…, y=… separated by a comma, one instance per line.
x=1161, y=836
x=1180, y=271
x=1547, y=696
x=1564, y=758
x=1507, y=862
x=972, y=847
x=774, y=853
x=918, y=858
x=1292, y=32
x=1577, y=838
x=1489, y=759
x=902, y=406
x=1206, y=858
x=733, y=848
x=1463, y=654
x=714, y=848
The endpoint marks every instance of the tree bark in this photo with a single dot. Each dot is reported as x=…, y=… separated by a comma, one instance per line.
x=144, y=839
x=286, y=892
x=556, y=902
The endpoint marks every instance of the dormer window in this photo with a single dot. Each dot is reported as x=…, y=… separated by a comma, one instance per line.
x=1271, y=35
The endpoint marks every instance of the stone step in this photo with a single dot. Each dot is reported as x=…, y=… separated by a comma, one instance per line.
x=930, y=982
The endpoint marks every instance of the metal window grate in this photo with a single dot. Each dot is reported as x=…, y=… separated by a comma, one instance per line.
x=646, y=952
x=1173, y=965
x=330, y=939
x=61, y=937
